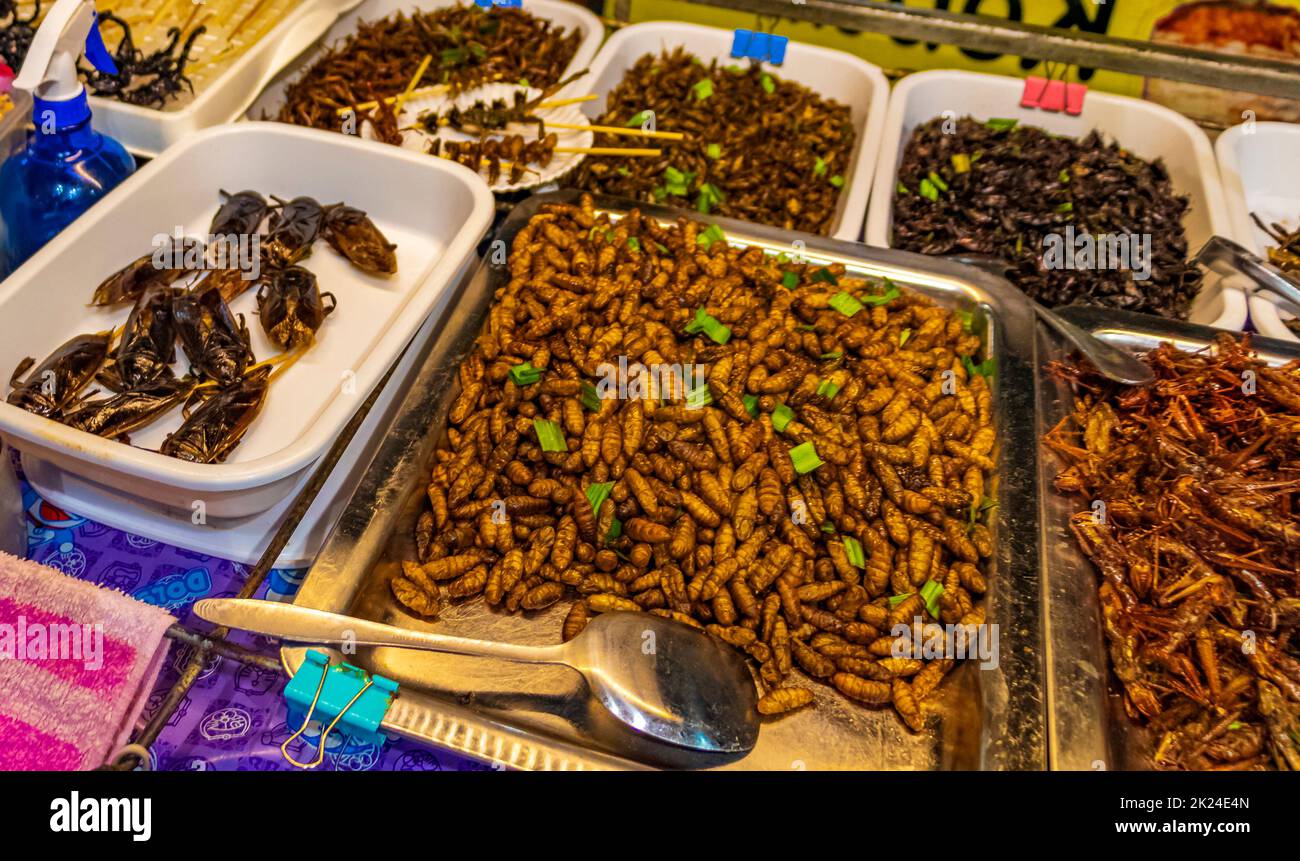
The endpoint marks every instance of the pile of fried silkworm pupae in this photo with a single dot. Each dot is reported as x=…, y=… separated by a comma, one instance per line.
x=824, y=482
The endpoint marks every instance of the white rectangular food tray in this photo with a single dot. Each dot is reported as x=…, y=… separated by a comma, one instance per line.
x=832, y=74
x=434, y=210
x=1260, y=167
x=148, y=132
x=1150, y=131
x=561, y=13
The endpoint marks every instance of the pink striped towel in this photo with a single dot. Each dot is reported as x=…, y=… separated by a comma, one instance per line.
x=76, y=664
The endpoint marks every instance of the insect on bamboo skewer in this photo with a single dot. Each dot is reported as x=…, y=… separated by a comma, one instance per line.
x=438, y=89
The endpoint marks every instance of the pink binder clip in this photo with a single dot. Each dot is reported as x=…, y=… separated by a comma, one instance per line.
x=1033, y=92
x=1053, y=98
x=1074, y=94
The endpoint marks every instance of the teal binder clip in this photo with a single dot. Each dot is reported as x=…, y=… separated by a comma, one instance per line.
x=346, y=696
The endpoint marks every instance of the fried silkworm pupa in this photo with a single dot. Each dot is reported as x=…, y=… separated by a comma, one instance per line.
x=782, y=700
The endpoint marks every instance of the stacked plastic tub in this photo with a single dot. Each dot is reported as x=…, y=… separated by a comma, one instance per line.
x=1260, y=167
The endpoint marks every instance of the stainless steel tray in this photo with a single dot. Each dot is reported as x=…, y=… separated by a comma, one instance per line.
x=1087, y=728
x=541, y=718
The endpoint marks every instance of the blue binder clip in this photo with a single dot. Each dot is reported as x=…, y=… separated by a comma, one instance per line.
x=764, y=47
x=345, y=695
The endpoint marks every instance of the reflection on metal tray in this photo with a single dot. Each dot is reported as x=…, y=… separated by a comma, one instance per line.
x=542, y=718
x=1087, y=727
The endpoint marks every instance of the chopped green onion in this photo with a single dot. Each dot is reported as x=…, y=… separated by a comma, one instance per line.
x=703, y=89
x=961, y=162
x=805, y=459
x=967, y=320
x=699, y=397
x=819, y=167
x=928, y=190
x=1065, y=207
x=1001, y=125
x=845, y=303
x=837, y=181
x=751, y=404
x=1235, y=725
x=634, y=243
x=930, y=592
x=891, y=293
x=825, y=274
x=903, y=336
x=983, y=369
x=938, y=181
x=663, y=249
x=734, y=69
x=703, y=322
x=790, y=280
x=523, y=82
x=615, y=530
x=709, y=195
x=781, y=416
x=622, y=171
x=769, y=86
x=638, y=119
x=833, y=354
x=713, y=151
x=828, y=528
x=895, y=600
x=590, y=397
x=1064, y=175
x=549, y=435
x=659, y=192
x=597, y=494
x=827, y=389
x=710, y=236
x=524, y=374
x=901, y=189
x=853, y=550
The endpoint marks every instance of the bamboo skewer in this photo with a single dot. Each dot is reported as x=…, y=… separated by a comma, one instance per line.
x=608, y=150
x=559, y=103
x=410, y=88
x=616, y=130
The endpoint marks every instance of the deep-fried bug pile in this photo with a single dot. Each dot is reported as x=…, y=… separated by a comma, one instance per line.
x=822, y=482
x=759, y=147
x=1197, y=546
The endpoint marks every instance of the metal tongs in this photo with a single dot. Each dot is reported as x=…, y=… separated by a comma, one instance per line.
x=1227, y=258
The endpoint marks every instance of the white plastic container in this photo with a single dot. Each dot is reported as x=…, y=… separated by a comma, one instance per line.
x=561, y=13
x=831, y=74
x=434, y=210
x=1148, y=130
x=147, y=131
x=1260, y=168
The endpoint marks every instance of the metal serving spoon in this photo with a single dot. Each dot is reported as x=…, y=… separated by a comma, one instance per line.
x=657, y=677
x=1110, y=361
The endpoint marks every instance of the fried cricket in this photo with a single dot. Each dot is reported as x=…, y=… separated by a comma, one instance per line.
x=1192, y=488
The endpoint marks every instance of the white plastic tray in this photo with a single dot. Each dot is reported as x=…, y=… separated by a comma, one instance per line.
x=1260, y=168
x=243, y=539
x=832, y=74
x=434, y=210
x=1148, y=130
x=148, y=132
x=564, y=14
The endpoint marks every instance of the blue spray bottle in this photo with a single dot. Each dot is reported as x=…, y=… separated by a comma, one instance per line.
x=65, y=165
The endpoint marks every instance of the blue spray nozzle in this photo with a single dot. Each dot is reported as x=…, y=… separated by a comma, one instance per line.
x=97, y=51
